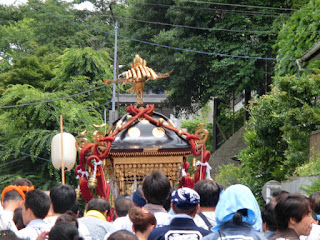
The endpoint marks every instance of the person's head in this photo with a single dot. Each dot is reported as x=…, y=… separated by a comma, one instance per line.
x=64, y=231
x=122, y=235
x=13, y=195
x=185, y=200
x=294, y=211
x=122, y=207
x=99, y=204
x=36, y=206
x=9, y=235
x=75, y=208
x=156, y=188
x=268, y=218
x=167, y=204
x=237, y=204
x=209, y=192
x=22, y=182
x=11, y=200
x=63, y=197
x=315, y=218
x=315, y=197
x=68, y=216
x=142, y=220
x=137, y=197
x=17, y=218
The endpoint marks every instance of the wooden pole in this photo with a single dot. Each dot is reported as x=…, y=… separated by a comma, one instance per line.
x=62, y=159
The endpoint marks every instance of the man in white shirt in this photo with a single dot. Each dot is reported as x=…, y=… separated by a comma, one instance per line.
x=209, y=192
x=12, y=198
x=34, y=210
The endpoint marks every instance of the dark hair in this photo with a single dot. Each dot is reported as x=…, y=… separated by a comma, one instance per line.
x=156, y=188
x=75, y=208
x=279, y=192
x=167, y=204
x=268, y=217
x=141, y=220
x=294, y=206
x=237, y=216
x=122, y=235
x=17, y=218
x=64, y=231
x=123, y=206
x=98, y=204
x=12, y=195
x=22, y=182
x=63, y=197
x=209, y=192
x=314, y=216
x=38, y=202
x=315, y=197
x=191, y=211
x=8, y=234
x=70, y=217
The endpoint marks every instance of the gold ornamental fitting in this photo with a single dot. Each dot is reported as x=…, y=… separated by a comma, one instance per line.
x=78, y=193
x=97, y=135
x=194, y=162
x=161, y=120
x=180, y=132
x=80, y=143
x=93, y=182
x=129, y=117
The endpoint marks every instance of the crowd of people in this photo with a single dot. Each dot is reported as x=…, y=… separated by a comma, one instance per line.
x=155, y=211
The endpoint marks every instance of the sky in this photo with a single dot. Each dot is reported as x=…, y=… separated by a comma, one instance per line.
x=85, y=5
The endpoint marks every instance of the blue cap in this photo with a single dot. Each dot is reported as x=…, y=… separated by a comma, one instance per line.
x=138, y=199
x=185, y=198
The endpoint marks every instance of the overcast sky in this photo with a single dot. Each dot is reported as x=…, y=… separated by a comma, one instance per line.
x=85, y=5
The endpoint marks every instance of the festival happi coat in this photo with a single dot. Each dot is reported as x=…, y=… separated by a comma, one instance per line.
x=138, y=143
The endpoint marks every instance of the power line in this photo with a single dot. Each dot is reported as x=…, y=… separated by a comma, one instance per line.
x=52, y=100
x=26, y=154
x=240, y=5
x=202, y=28
x=274, y=14
x=174, y=48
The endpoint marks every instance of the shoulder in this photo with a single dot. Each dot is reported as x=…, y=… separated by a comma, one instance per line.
x=158, y=233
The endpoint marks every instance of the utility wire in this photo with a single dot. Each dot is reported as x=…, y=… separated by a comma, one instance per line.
x=202, y=28
x=274, y=14
x=52, y=100
x=174, y=48
x=240, y=5
x=23, y=153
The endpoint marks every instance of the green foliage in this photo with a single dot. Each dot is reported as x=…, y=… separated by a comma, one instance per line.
x=229, y=174
x=28, y=130
x=310, y=168
x=198, y=77
x=192, y=125
x=278, y=130
x=298, y=35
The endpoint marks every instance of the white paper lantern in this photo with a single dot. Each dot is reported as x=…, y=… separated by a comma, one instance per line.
x=69, y=151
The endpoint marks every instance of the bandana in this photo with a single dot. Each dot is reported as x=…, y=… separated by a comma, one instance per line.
x=19, y=189
x=185, y=198
x=138, y=199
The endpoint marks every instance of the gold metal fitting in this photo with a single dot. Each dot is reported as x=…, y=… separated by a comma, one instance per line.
x=194, y=162
x=180, y=132
x=129, y=117
x=161, y=120
x=93, y=182
x=78, y=193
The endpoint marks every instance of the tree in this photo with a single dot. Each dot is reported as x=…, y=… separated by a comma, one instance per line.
x=298, y=35
x=198, y=77
x=26, y=131
x=278, y=131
